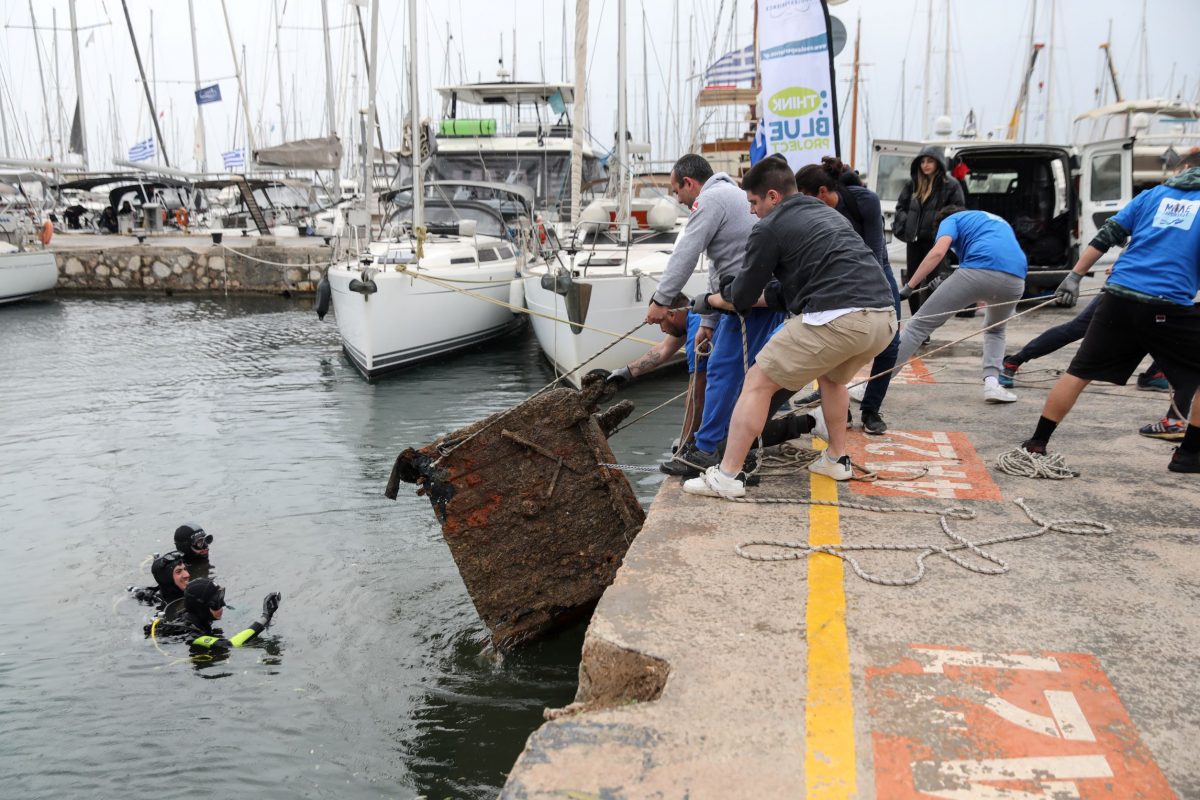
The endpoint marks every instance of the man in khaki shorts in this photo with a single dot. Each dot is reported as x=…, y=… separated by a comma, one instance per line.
x=843, y=317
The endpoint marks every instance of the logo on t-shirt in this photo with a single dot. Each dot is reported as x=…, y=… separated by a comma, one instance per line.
x=1176, y=213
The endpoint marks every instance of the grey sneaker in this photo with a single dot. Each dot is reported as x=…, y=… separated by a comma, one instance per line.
x=689, y=462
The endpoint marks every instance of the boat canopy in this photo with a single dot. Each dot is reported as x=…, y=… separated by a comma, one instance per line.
x=726, y=97
x=509, y=93
x=320, y=153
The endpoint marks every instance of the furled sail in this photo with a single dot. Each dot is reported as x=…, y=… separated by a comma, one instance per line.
x=322, y=153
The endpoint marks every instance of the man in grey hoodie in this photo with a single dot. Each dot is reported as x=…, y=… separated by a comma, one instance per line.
x=720, y=226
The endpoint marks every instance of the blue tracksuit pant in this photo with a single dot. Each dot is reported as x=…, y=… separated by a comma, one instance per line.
x=725, y=373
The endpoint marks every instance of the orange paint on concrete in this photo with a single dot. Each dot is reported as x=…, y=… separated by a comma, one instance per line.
x=951, y=723
x=952, y=468
x=914, y=371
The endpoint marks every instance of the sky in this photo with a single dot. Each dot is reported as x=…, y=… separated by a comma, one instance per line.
x=462, y=40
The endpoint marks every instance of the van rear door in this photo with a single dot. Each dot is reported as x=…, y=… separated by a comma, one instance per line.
x=891, y=161
x=1105, y=183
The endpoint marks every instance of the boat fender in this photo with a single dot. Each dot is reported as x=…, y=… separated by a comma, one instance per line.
x=558, y=282
x=516, y=294
x=324, y=296
x=47, y=232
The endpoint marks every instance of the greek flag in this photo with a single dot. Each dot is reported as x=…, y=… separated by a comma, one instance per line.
x=732, y=68
x=234, y=159
x=142, y=151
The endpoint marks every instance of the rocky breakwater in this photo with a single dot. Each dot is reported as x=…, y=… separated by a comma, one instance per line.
x=261, y=269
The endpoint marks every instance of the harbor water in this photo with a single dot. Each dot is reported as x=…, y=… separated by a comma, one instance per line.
x=126, y=417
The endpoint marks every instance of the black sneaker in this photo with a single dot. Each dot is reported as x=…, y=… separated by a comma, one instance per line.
x=1184, y=462
x=1035, y=446
x=689, y=462
x=873, y=423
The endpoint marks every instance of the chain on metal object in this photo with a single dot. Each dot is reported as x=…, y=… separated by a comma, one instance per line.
x=1076, y=527
x=1024, y=464
x=631, y=467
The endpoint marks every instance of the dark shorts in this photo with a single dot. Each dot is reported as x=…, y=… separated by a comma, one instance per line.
x=1123, y=331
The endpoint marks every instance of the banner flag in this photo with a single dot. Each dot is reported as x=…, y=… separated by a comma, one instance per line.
x=799, y=110
x=142, y=151
x=208, y=94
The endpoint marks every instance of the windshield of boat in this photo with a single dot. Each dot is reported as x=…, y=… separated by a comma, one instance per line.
x=548, y=174
x=442, y=216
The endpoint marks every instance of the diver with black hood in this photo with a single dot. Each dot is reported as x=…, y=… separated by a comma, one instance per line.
x=193, y=542
x=204, y=604
x=171, y=577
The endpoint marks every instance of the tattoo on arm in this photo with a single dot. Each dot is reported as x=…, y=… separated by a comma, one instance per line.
x=646, y=363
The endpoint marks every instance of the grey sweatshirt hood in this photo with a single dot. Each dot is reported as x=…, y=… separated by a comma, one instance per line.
x=720, y=224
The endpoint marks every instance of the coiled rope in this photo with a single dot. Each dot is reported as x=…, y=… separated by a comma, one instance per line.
x=1024, y=464
x=798, y=550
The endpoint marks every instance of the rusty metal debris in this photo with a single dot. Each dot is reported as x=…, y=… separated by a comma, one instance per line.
x=536, y=526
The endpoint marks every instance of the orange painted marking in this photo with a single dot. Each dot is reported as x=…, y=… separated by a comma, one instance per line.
x=957, y=724
x=912, y=372
x=954, y=470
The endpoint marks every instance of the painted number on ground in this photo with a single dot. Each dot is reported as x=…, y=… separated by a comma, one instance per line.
x=965, y=725
x=945, y=462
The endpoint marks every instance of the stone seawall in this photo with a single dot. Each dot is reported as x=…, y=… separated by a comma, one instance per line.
x=163, y=268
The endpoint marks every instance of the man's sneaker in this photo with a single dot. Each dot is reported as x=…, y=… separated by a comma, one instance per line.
x=711, y=483
x=689, y=462
x=1153, y=382
x=857, y=392
x=873, y=423
x=1035, y=446
x=1166, y=428
x=806, y=400
x=1184, y=462
x=819, y=428
x=839, y=470
x=993, y=392
x=1007, y=373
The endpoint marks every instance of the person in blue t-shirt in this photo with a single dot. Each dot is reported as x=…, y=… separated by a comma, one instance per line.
x=991, y=269
x=1148, y=306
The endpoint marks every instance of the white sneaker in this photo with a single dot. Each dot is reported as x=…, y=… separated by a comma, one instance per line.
x=712, y=483
x=838, y=470
x=993, y=392
x=820, y=429
x=857, y=392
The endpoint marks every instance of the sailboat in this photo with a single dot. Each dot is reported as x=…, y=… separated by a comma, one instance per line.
x=442, y=275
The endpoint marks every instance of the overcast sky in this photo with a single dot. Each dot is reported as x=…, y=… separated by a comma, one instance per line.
x=988, y=44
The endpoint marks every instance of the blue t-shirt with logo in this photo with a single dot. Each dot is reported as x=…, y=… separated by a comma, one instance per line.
x=984, y=241
x=1163, y=256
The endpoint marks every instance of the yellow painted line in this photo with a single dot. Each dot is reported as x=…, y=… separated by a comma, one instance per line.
x=829, y=766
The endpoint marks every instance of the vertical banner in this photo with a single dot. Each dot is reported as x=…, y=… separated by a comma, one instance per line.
x=798, y=103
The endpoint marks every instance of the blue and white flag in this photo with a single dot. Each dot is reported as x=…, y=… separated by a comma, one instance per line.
x=799, y=108
x=732, y=68
x=208, y=94
x=234, y=159
x=142, y=151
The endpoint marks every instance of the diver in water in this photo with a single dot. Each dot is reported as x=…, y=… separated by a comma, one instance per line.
x=171, y=577
x=193, y=542
x=204, y=604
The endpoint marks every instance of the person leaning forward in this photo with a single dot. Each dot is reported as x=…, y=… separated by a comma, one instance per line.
x=844, y=316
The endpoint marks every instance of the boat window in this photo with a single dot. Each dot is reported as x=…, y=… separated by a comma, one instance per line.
x=894, y=172
x=1106, y=177
x=979, y=182
x=440, y=218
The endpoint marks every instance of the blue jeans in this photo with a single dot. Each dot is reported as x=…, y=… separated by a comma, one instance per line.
x=689, y=345
x=725, y=372
x=877, y=387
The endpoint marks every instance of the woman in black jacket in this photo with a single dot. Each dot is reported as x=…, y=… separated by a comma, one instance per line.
x=930, y=189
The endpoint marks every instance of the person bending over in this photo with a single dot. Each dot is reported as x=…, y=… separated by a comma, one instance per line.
x=844, y=312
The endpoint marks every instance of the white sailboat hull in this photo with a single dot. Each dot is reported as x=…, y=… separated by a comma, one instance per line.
x=26, y=274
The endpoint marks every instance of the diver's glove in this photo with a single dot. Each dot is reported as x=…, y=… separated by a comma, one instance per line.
x=270, y=606
x=1067, y=293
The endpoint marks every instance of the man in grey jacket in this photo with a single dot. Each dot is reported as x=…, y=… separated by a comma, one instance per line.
x=720, y=225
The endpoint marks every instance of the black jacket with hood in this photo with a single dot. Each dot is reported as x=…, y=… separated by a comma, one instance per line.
x=914, y=219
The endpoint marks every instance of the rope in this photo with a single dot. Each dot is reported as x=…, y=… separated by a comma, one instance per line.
x=240, y=254
x=843, y=551
x=1024, y=464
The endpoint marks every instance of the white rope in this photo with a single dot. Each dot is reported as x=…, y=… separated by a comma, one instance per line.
x=1024, y=464
x=306, y=264
x=799, y=550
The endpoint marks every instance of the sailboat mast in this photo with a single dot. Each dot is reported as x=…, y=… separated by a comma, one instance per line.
x=37, y=46
x=581, y=22
x=162, y=146
x=1049, y=127
x=330, y=115
x=414, y=114
x=854, y=97
x=925, y=83
x=946, y=79
x=279, y=72
x=622, y=122
x=78, y=87
x=58, y=86
x=237, y=73
x=203, y=143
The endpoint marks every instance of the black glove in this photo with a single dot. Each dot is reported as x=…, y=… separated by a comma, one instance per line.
x=270, y=605
x=1067, y=293
x=905, y=292
x=700, y=305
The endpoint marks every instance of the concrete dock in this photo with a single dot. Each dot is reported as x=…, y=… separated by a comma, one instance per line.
x=1071, y=675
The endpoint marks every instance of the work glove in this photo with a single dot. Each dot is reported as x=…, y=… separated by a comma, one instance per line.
x=270, y=605
x=617, y=379
x=700, y=305
x=905, y=292
x=1067, y=293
